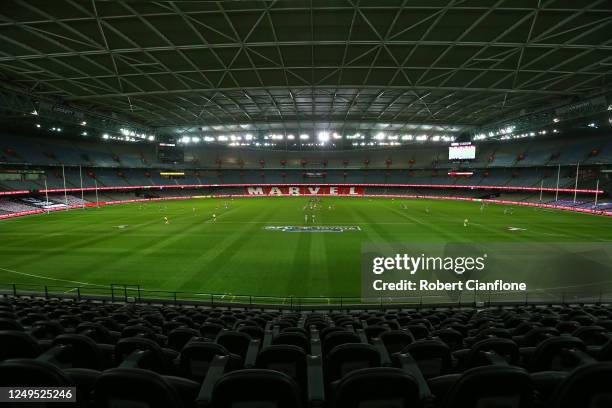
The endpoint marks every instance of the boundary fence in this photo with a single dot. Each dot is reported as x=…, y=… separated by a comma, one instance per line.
x=134, y=293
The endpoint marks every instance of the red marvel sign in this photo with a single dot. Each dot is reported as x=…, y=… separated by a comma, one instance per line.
x=304, y=191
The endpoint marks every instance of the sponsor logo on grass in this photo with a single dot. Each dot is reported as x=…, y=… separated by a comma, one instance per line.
x=312, y=228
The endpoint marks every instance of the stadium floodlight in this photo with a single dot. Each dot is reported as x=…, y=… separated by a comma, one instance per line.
x=248, y=136
x=290, y=137
x=435, y=138
x=556, y=120
x=379, y=136
x=105, y=136
x=323, y=137
x=38, y=125
x=84, y=134
x=222, y=138
x=34, y=112
x=421, y=138
x=83, y=123
x=407, y=137
x=185, y=139
x=151, y=138
x=304, y=136
x=195, y=139
x=335, y=135
x=592, y=125
x=209, y=139
x=59, y=129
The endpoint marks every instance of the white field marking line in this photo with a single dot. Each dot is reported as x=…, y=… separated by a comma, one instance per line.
x=321, y=223
x=552, y=234
x=46, y=277
x=73, y=289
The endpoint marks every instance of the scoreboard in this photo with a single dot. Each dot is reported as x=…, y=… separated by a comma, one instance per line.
x=170, y=153
x=461, y=151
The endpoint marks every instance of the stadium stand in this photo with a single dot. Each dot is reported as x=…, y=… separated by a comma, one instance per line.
x=164, y=355
x=207, y=152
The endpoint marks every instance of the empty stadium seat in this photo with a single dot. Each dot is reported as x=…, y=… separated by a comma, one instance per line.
x=17, y=344
x=348, y=357
x=135, y=387
x=587, y=387
x=256, y=388
x=432, y=356
x=381, y=387
x=490, y=386
x=287, y=359
x=196, y=357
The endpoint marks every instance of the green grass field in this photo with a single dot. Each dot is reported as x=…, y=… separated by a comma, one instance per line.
x=235, y=255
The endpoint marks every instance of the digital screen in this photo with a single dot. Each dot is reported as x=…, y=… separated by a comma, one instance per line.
x=169, y=153
x=462, y=151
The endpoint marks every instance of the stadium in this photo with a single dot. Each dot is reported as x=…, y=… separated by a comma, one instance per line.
x=292, y=203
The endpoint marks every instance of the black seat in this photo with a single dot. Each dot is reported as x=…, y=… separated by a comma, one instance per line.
x=294, y=339
x=567, y=326
x=196, y=357
x=34, y=373
x=287, y=359
x=83, y=351
x=337, y=338
x=18, y=344
x=418, y=331
x=235, y=342
x=452, y=338
x=504, y=348
x=28, y=372
x=432, y=356
x=97, y=332
x=154, y=359
x=375, y=331
x=134, y=387
x=177, y=338
x=587, y=387
x=381, y=387
x=254, y=331
x=396, y=340
x=592, y=335
x=210, y=330
x=348, y=357
x=550, y=354
x=46, y=329
x=10, y=324
x=84, y=379
x=491, y=386
x=256, y=388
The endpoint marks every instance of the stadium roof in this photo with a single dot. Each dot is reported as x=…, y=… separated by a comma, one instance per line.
x=293, y=65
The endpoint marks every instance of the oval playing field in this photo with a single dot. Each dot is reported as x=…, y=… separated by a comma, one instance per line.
x=259, y=246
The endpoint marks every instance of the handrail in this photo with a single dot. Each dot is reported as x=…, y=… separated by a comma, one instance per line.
x=134, y=293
